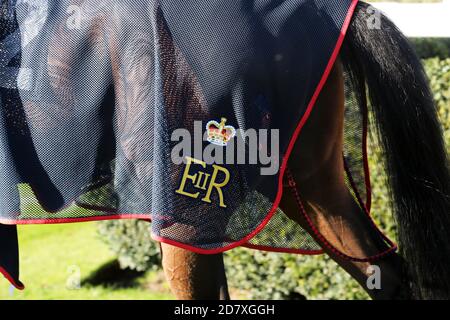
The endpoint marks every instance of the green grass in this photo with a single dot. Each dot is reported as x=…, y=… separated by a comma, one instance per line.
x=51, y=253
x=31, y=209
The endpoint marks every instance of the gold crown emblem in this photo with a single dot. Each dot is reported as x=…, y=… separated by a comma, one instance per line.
x=218, y=133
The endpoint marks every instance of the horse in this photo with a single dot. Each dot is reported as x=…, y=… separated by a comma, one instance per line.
x=383, y=70
x=378, y=63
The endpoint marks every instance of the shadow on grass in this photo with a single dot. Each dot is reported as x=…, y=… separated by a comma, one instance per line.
x=111, y=275
x=296, y=296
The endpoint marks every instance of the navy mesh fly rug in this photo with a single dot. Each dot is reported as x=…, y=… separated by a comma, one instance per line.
x=123, y=110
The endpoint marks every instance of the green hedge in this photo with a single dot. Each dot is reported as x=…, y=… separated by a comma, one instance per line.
x=432, y=47
x=438, y=71
x=261, y=275
x=130, y=240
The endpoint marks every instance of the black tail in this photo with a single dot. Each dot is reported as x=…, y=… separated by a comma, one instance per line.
x=411, y=136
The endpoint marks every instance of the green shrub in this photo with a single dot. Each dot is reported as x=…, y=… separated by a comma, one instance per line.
x=130, y=240
x=262, y=275
x=438, y=71
x=432, y=47
x=275, y=276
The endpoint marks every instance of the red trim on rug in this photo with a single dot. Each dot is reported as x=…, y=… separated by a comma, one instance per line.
x=247, y=245
x=244, y=241
x=284, y=250
x=368, y=205
x=363, y=207
x=18, y=285
x=74, y=220
x=366, y=159
x=294, y=138
x=325, y=242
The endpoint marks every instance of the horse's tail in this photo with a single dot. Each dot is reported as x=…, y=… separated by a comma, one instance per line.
x=411, y=137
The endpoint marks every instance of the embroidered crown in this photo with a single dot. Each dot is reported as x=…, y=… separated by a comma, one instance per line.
x=218, y=133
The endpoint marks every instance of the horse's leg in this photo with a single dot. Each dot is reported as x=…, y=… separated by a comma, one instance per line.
x=193, y=276
x=317, y=167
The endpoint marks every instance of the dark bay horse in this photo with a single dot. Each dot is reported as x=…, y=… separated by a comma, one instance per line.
x=382, y=62
x=380, y=67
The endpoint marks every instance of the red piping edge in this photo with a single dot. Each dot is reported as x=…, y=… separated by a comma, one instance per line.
x=368, y=204
x=74, y=220
x=332, y=248
x=323, y=80
x=284, y=250
x=393, y=245
x=247, y=245
x=244, y=241
x=365, y=207
x=18, y=285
